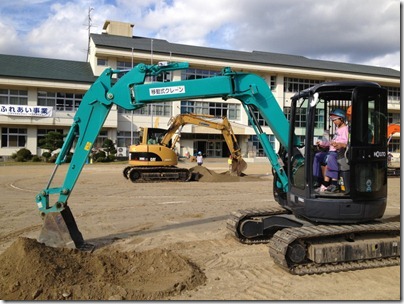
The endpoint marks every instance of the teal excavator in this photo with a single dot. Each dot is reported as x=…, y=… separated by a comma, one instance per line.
x=310, y=231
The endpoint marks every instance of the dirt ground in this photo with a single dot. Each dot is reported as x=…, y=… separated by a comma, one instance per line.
x=164, y=241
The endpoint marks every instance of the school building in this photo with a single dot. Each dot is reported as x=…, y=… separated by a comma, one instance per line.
x=39, y=95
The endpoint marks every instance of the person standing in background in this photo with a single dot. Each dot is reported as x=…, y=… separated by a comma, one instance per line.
x=230, y=162
x=199, y=159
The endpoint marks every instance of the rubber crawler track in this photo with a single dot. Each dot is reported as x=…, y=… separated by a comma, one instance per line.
x=279, y=243
x=237, y=217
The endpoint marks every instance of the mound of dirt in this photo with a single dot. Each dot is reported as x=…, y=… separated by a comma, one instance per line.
x=32, y=271
x=205, y=175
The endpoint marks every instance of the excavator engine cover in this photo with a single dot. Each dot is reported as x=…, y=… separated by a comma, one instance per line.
x=60, y=230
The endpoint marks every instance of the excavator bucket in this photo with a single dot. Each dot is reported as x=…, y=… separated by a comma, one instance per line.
x=238, y=166
x=60, y=230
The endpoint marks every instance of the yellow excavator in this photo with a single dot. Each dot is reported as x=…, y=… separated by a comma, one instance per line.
x=154, y=158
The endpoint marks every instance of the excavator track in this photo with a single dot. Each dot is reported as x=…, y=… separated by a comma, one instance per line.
x=334, y=248
x=157, y=174
x=237, y=218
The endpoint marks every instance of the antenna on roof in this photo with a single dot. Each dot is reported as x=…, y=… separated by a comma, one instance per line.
x=89, y=25
x=151, y=51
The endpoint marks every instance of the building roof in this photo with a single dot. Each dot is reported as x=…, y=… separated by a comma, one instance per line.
x=255, y=57
x=45, y=69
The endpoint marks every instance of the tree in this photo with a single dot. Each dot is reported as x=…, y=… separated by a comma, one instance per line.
x=52, y=141
x=109, y=147
x=107, y=154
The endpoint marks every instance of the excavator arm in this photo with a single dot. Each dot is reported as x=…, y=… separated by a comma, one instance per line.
x=131, y=92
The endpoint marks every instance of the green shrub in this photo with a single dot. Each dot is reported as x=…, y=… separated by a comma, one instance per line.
x=99, y=156
x=52, y=159
x=46, y=155
x=20, y=159
x=69, y=157
x=111, y=157
x=36, y=159
x=22, y=155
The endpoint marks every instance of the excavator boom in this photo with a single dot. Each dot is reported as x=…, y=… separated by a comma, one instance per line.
x=131, y=92
x=204, y=120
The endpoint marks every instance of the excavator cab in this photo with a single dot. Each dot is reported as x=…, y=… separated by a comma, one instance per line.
x=362, y=165
x=150, y=152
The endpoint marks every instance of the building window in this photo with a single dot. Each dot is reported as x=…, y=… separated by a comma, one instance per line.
x=394, y=118
x=257, y=147
x=202, y=137
x=301, y=116
x=217, y=109
x=102, y=62
x=394, y=145
x=319, y=119
x=393, y=94
x=197, y=74
x=273, y=83
x=233, y=111
x=155, y=109
x=41, y=133
x=214, y=148
x=197, y=107
x=100, y=139
x=13, y=97
x=292, y=85
x=258, y=117
x=124, y=138
x=13, y=137
x=60, y=101
x=123, y=65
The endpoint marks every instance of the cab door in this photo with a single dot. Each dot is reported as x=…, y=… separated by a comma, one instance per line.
x=368, y=143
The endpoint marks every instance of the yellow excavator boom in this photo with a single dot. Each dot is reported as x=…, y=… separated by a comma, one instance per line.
x=177, y=122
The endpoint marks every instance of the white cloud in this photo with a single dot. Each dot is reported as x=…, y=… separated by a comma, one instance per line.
x=386, y=61
x=9, y=41
x=62, y=35
x=354, y=31
x=361, y=31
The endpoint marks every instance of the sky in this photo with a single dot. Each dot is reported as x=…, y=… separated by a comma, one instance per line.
x=353, y=31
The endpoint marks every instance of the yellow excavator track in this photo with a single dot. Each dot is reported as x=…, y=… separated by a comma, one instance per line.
x=157, y=174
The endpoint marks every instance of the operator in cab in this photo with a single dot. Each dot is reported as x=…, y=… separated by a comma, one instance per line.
x=337, y=148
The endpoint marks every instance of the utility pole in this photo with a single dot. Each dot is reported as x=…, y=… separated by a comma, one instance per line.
x=131, y=124
x=89, y=25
